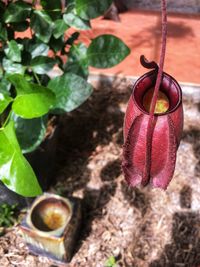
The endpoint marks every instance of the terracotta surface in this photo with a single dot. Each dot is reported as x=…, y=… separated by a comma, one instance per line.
x=141, y=31
x=181, y=6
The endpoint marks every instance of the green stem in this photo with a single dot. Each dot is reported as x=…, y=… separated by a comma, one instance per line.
x=7, y=120
x=37, y=78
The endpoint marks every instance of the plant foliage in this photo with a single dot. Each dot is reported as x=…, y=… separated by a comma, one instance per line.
x=28, y=95
x=8, y=215
x=111, y=262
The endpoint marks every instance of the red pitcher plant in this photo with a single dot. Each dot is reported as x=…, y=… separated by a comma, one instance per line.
x=153, y=124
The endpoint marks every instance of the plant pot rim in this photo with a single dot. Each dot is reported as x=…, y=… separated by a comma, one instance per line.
x=57, y=232
x=150, y=75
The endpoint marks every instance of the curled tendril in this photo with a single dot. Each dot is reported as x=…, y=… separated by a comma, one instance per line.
x=148, y=64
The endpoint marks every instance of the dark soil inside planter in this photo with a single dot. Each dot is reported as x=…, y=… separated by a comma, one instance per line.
x=140, y=227
x=43, y=159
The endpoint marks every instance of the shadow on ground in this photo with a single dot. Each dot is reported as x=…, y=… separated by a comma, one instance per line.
x=136, y=197
x=183, y=250
x=185, y=246
x=95, y=124
x=193, y=137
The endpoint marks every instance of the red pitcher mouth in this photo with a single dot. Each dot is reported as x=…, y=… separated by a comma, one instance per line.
x=169, y=87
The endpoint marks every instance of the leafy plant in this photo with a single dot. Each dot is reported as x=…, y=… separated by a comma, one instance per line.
x=27, y=94
x=111, y=262
x=8, y=215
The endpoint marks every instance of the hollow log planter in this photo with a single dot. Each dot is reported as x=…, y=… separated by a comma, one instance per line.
x=151, y=159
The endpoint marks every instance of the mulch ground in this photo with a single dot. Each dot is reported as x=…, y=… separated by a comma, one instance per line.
x=140, y=227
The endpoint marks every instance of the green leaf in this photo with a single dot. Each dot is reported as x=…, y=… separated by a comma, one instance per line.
x=59, y=28
x=71, y=3
x=38, y=49
x=51, y=5
x=32, y=100
x=33, y=46
x=42, y=25
x=15, y=172
x=106, y=51
x=3, y=33
x=2, y=10
x=13, y=51
x=5, y=86
x=77, y=61
x=20, y=26
x=70, y=90
x=26, y=42
x=53, y=8
x=17, y=12
x=42, y=64
x=57, y=44
x=76, y=22
x=30, y=132
x=89, y=9
x=8, y=215
x=111, y=262
x=5, y=100
x=10, y=67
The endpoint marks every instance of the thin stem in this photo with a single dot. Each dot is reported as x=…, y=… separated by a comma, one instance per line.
x=152, y=118
x=162, y=58
x=36, y=77
x=7, y=119
x=62, y=6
